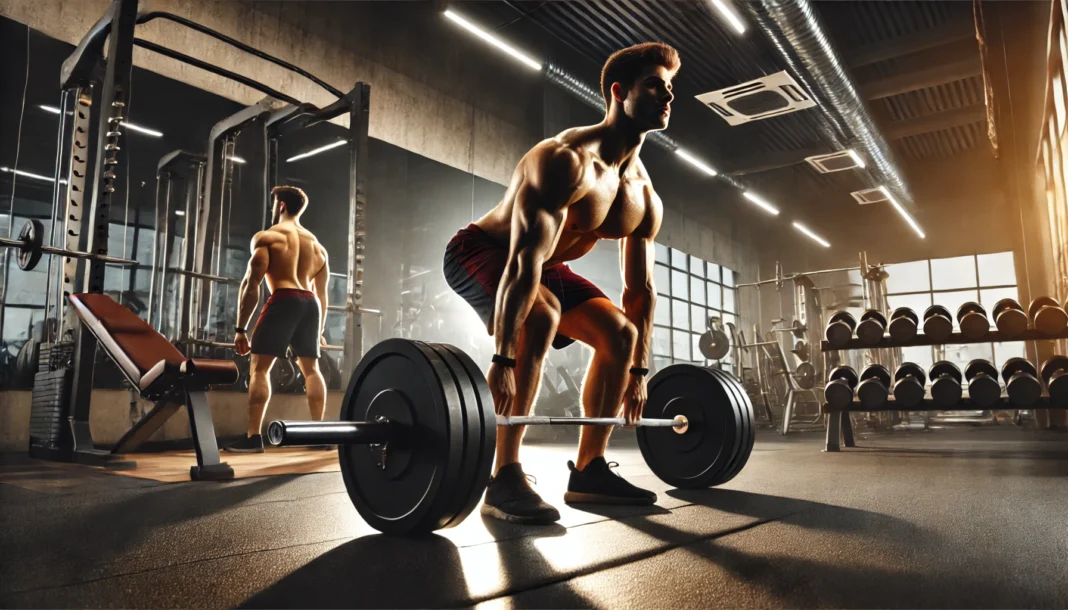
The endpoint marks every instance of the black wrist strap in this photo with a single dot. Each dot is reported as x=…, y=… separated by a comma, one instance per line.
x=504, y=361
x=639, y=371
x=239, y=330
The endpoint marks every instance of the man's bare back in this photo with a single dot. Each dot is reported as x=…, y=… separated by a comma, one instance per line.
x=608, y=206
x=295, y=256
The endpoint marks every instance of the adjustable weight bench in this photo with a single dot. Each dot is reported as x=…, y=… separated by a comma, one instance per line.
x=162, y=374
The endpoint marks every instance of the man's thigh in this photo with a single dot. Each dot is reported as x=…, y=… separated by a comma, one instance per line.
x=596, y=322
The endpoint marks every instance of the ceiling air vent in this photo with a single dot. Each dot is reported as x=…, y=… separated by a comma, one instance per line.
x=835, y=162
x=763, y=98
x=867, y=196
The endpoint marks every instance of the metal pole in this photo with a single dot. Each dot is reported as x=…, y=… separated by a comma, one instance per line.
x=359, y=116
x=160, y=179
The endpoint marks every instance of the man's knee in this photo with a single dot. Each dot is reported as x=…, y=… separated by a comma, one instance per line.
x=619, y=339
x=542, y=321
x=260, y=365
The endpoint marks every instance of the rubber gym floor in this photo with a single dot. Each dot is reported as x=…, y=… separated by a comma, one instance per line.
x=948, y=518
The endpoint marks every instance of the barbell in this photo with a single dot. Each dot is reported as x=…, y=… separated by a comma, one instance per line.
x=30, y=246
x=418, y=431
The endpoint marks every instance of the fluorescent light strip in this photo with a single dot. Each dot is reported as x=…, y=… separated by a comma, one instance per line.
x=856, y=158
x=760, y=202
x=493, y=40
x=19, y=172
x=816, y=238
x=137, y=128
x=694, y=161
x=901, y=210
x=729, y=16
x=316, y=151
x=179, y=212
x=237, y=160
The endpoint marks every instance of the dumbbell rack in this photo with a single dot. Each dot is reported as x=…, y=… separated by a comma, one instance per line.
x=840, y=427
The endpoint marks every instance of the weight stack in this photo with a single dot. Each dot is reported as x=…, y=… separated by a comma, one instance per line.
x=51, y=394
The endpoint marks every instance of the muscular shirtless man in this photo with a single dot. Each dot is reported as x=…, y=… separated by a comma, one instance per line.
x=295, y=265
x=568, y=192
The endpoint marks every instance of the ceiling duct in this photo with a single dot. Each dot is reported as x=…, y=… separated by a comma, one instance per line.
x=798, y=36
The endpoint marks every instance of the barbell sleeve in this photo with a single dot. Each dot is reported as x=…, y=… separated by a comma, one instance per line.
x=535, y=420
x=282, y=433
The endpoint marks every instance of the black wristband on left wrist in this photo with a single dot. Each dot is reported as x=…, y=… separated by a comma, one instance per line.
x=637, y=370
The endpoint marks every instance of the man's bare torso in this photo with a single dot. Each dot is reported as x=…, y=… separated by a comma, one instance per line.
x=613, y=206
x=296, y=256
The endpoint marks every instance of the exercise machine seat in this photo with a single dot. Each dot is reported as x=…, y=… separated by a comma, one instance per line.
x=146, y=357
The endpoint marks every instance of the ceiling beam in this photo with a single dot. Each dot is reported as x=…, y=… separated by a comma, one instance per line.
x=938, y=121
x=912, y=43
x=921, y=79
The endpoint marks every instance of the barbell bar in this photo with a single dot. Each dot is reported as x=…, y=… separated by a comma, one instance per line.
x=204, y=276
x=30, y=246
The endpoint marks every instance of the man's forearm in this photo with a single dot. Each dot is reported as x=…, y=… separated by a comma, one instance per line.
x=248, y=298
x=638, y=308
x=518, y=291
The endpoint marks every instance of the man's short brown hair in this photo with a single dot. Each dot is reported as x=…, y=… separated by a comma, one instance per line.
x=293, y=197
x=624, y=66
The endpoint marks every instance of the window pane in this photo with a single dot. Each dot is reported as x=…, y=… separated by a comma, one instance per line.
x=1010, y=349
x=678, y=259
x=698, y=321
x=958, y=272
x=728, y=300
x=661, y=253
x=715, y=296
x=713, y=272
x=662, y=311
x=918, y=302
x=680, y=285
x=990, y=296
x=908, y=277
x=662, y=279
x=661, y=341
x=659, y=362
x=680, y=342
x=697, y=290
x=961, y=355
x=922, y=355
x=729, y=318
x=697, y=355
x=997, y=269
x=952, y=301
x=680, y=314
x=697, y=266
x=728, y=277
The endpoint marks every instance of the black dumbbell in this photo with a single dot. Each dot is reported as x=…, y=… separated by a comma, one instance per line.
x=874, y=387
x=973, y=321
x=937, y=323
x=840, y=386
x=983, y=385
x=1010, y=318
x=801, y=351
x=945, y=383
x=903, y=324
x=872, y=327
x=840, y=328
x=1021, y=381
x=1055, y=373
x=909, y=382
x=1047, y=316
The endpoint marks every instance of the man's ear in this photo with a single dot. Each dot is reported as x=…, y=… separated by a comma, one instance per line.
x=618, y=92
x=281, y=208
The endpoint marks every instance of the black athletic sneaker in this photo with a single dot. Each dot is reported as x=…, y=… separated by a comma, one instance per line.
x=597, y=484
x=249, y=444
x=510, y=497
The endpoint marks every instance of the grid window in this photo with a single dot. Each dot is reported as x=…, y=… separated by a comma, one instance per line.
x=678, y=259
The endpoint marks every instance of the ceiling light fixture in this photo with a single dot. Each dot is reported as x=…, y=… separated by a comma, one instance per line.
x=694, y=161
x=856, y=158
x=493, y=40
x=137, y=128
x=729, y=16
x=816, y=238
x=316, y=151
x=901, y=210
x=760, y=202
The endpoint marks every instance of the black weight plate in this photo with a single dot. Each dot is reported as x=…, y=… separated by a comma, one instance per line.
x=32, y=233
x=487, y=432
x=701, y=457
x=408, y=383
x=748, y=416
x=472, y=431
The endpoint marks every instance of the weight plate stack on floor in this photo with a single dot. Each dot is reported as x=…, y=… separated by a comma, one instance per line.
x=413, y=489
x=51, y=392
x=720, y=433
